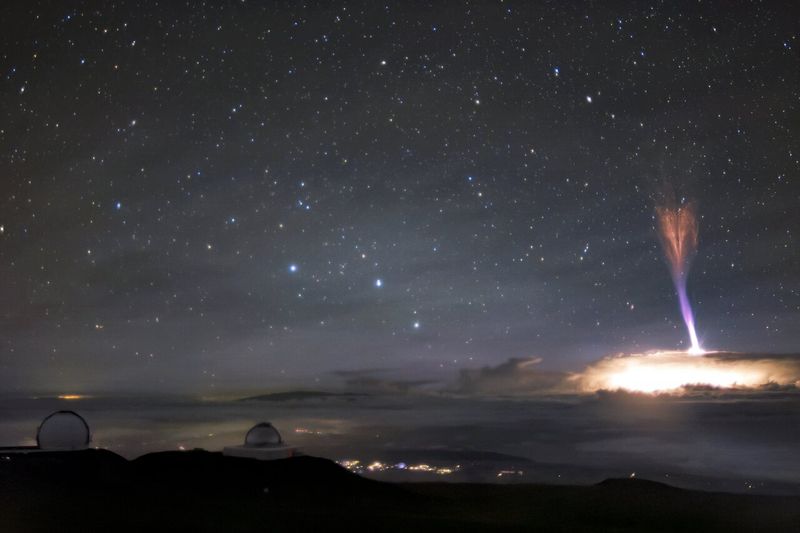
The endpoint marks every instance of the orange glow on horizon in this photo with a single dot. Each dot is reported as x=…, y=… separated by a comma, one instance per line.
x=72, y=397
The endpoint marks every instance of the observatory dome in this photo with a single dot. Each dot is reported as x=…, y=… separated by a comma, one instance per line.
x=263, y=435
x=63, y=430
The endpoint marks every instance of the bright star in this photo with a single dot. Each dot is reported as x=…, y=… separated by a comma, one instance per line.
x=293, y=268
x=379, y=283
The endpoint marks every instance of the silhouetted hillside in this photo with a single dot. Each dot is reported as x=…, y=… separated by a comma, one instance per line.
x=96, y=490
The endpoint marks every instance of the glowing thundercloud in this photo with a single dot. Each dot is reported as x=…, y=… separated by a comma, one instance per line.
x=678, y=229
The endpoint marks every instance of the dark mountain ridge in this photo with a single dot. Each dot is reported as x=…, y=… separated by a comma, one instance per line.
x=97, y=490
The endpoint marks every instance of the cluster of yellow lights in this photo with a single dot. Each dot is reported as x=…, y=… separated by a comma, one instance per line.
x=354, y=465
x=307, y=431
x=441, y=470
x=72, y=397
x=506, y=473
x=672, y=371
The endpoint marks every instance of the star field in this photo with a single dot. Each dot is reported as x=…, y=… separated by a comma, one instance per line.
x=237, y=194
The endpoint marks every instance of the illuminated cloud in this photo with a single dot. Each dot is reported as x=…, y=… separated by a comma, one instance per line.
x=658, y=372
x=670, y=372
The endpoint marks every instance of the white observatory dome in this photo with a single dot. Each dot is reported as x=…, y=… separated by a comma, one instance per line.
x=263, y=435
x=262, y=442
x=63, y=430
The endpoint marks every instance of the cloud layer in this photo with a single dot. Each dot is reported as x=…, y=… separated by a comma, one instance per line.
x=655, y=372
x=515, y=376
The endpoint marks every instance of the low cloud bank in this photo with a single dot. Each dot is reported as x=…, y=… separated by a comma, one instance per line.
x=370, y=382
x=674, y=373
x=516, y=376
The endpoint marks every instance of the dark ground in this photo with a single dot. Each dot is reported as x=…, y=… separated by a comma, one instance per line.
x=97, y=490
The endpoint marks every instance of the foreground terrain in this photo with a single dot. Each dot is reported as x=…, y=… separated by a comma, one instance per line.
x=97, y=490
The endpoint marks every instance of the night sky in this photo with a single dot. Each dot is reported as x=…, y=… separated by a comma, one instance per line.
x=231, y=195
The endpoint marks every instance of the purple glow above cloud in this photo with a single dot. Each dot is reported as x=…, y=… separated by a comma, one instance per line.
x=678, y=229
x=688, y=316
